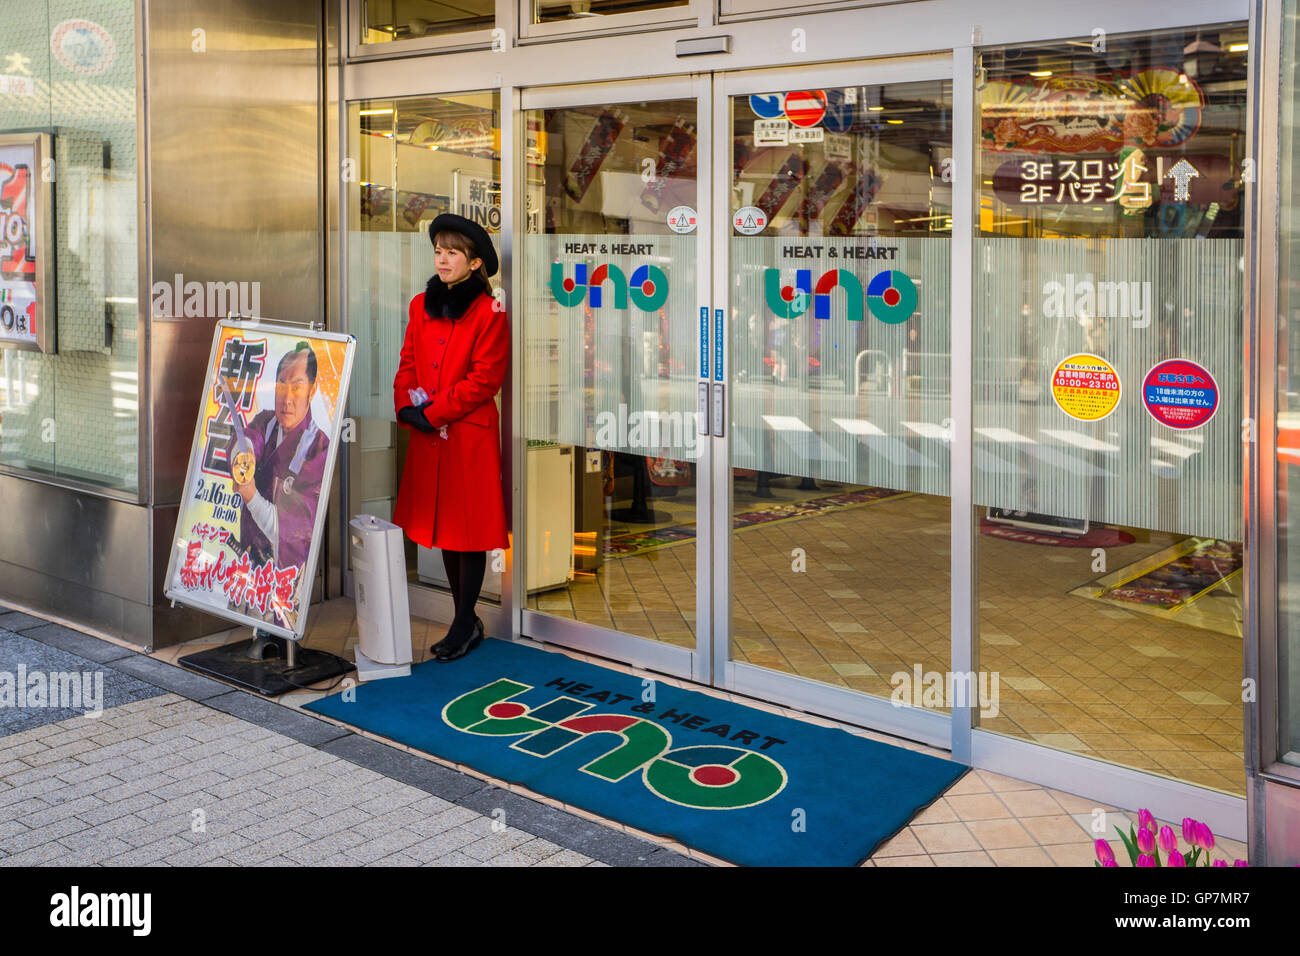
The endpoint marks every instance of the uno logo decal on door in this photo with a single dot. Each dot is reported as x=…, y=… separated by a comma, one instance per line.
x=891, y=295
x=648, y=289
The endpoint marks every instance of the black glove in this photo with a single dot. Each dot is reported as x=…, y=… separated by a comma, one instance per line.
x=413, y=415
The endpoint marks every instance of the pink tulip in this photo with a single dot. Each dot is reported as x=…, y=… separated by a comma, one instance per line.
x=1105, y=855
x=1175, y=859
x=1146, y=841
x=1146, y=821
x=1145, y=860
x=1168, y=842
x=1220, y=863
x=1110, y=863
x=1204, y=837
x=1189, y=831
x=1240, y=863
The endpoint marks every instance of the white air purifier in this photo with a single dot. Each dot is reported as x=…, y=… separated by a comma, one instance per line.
x=383, y=615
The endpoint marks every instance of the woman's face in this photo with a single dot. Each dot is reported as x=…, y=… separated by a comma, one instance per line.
x=453, y=266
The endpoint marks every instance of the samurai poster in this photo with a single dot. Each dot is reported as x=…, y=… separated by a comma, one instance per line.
x=264, y=448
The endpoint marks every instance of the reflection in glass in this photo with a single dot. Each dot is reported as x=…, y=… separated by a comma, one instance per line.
x=589, y=11
x=75, y=414
x=609, y=366
x=389, y=20
x=840, y=431
x=417, y=158
x=1108, y=392
x=1288, y=408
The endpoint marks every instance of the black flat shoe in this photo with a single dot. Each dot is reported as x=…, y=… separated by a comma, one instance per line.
x=446, y=653
x=441, y=645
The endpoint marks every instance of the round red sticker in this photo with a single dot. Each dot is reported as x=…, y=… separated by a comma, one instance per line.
x=1180, y=394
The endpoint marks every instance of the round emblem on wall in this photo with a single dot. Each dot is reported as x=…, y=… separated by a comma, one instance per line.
x=83, y=46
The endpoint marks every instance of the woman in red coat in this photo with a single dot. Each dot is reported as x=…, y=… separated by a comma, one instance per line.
x=454, y=360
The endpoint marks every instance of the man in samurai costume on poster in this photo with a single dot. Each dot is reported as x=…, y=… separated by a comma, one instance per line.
x=283, y=491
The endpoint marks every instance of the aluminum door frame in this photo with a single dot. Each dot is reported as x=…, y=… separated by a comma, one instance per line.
x=928, y=726
x=689, y=663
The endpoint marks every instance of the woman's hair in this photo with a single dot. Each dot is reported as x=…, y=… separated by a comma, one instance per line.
x=461, y=243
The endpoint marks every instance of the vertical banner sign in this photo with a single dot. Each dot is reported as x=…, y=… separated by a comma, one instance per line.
x=253, y=512
x=704, y=341
x=717, y=345
x=26, y=242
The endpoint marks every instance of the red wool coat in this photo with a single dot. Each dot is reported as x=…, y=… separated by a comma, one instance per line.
x=450, y=495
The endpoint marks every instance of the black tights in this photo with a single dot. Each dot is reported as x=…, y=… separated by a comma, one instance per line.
x=465, y=571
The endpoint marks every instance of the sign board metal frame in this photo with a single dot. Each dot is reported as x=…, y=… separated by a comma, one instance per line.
x=308, y=576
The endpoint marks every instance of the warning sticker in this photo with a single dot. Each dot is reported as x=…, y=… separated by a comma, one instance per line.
x=749, y=220
x=1086, y=387
x=682, y=219
x=1180, y=394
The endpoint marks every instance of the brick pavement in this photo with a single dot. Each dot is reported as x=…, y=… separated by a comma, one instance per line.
x=183, y=770
x=180, y=770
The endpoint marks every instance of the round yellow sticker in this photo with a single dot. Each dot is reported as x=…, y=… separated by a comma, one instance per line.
x=1086, y=387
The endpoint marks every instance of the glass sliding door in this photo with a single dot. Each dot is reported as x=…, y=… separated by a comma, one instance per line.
x=417, y=157
x=837, y=285
x=609, y=267
x=1108, y=339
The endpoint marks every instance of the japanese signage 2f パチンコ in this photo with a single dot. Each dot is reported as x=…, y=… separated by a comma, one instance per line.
x=251, y=517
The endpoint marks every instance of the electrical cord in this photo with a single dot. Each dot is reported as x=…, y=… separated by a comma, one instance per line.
x=337, y=682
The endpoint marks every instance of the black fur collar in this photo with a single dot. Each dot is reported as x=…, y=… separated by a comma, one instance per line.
x=441, y=302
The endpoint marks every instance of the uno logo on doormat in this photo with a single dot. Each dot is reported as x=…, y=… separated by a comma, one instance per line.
x=709, y=777
x=649, y=287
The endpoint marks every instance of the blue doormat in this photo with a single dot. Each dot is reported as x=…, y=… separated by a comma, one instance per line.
x=741, y=784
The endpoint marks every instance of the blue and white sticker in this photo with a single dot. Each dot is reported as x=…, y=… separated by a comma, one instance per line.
x=704, y=341
x=717, y=344
x=767, y=105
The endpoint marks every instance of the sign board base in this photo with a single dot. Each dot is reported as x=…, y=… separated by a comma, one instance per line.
x=269, y=677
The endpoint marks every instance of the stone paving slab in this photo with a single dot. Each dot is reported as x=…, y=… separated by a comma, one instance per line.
x=273, y=716
x=18, y=621
x=75, y=642
x=183, y=682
